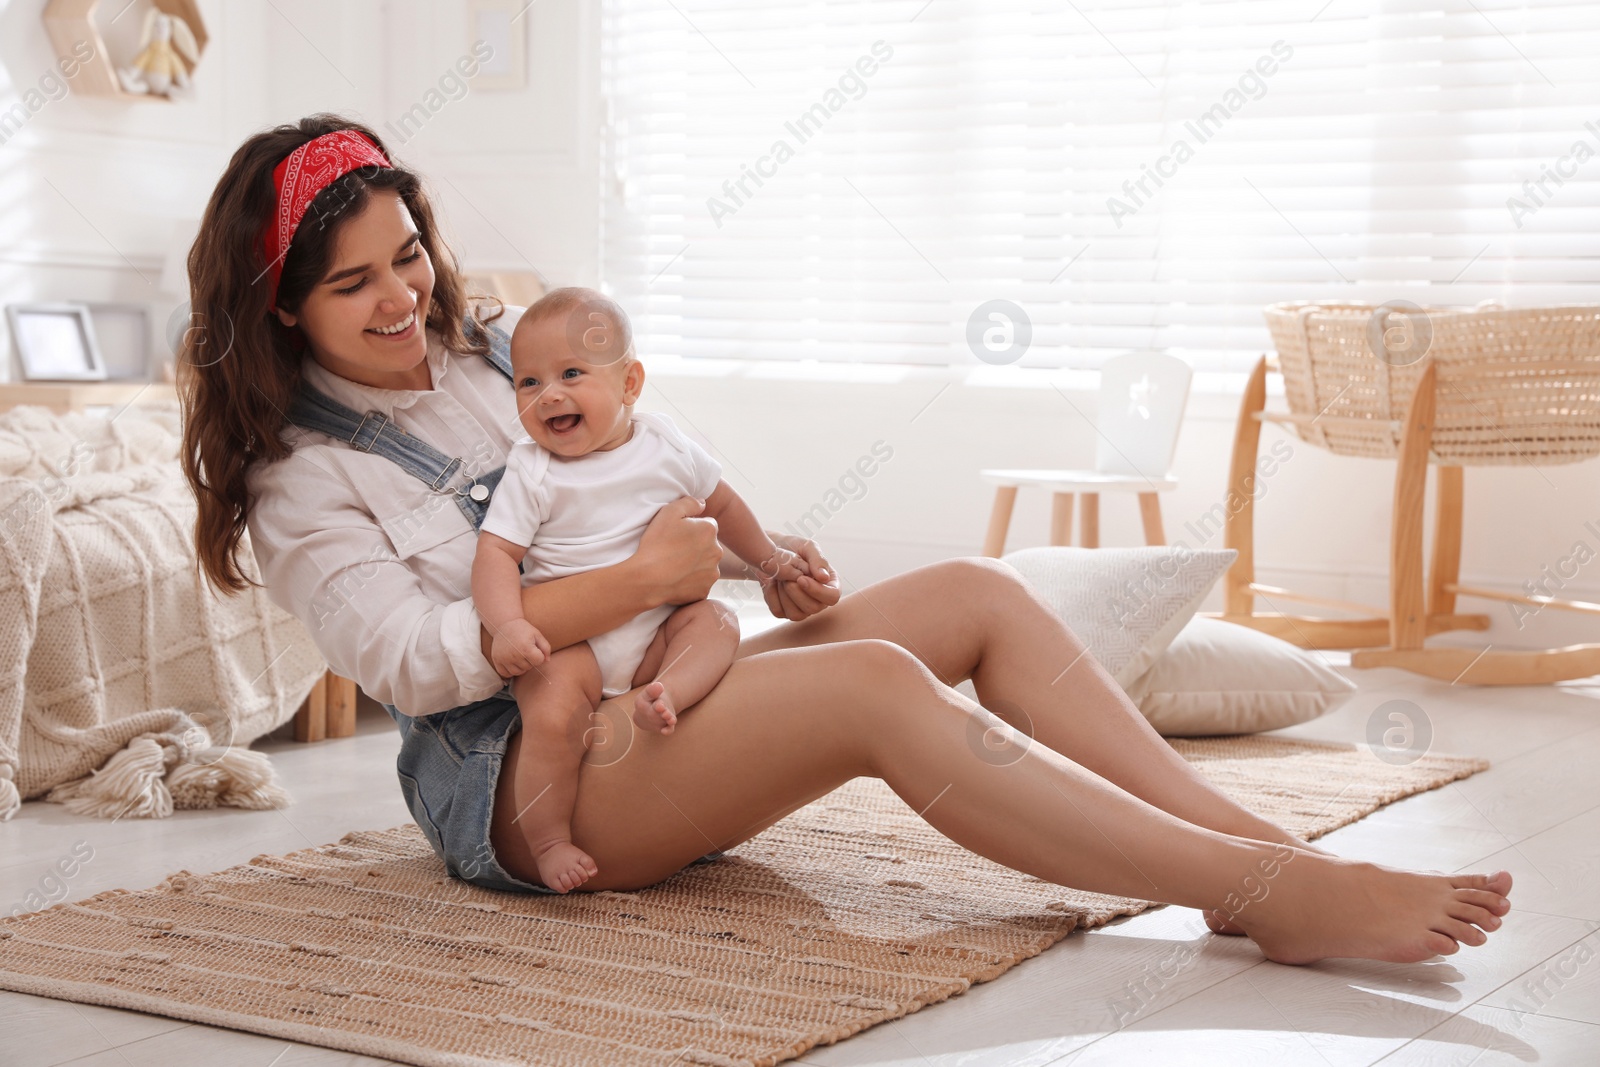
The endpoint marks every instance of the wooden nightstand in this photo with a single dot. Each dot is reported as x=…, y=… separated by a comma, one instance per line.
x=330, y=710
x=75, y=396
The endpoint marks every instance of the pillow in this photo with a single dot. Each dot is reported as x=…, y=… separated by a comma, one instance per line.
x=1221, y=678
x=1125, y=604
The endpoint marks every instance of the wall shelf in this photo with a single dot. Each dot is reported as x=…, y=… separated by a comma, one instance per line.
x=70, y=22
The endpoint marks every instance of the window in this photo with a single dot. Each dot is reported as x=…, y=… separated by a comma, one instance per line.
x=855, y=180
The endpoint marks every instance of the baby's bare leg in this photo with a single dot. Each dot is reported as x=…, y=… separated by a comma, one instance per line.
x=691, y=653
x=556, y=699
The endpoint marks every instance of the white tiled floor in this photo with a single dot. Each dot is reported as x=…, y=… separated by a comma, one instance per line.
x=1156, y=988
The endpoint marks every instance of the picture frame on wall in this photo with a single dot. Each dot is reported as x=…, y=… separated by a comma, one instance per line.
x=503, y=26
x=55, y=342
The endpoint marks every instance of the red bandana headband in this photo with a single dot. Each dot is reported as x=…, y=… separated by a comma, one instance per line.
x=303, y=174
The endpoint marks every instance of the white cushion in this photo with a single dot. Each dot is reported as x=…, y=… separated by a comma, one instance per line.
x=1220, y=678
x=1125, y=604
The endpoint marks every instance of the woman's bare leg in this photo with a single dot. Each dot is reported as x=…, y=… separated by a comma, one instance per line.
x=977, y=618
x=784, y=728
x=555, y=701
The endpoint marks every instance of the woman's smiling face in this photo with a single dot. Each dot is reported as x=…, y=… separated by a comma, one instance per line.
x=365, y=318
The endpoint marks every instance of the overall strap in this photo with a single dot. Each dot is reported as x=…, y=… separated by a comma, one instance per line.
x=375, y=432
x=499, y=354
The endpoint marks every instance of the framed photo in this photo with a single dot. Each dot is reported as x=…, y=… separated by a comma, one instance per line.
x=503, y=26
x=55, y=342
x=122, y=332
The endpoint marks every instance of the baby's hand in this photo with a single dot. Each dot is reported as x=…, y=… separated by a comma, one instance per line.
x=782, y=566
x=518, y=648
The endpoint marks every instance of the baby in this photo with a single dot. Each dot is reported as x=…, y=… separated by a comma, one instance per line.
x=577, y=494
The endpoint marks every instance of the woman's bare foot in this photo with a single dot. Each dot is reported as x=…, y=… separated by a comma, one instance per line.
x=1316, y=908
x=1218, y=919
x=564, y=866
x=654, y=709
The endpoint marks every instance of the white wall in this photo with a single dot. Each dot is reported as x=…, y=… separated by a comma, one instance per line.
x=515, y=172
x=90, y=187
x=517, y=175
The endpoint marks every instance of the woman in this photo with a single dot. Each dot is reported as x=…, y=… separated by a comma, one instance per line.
x=319, y=273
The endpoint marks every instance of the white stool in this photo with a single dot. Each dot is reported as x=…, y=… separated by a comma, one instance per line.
x=1141, y=403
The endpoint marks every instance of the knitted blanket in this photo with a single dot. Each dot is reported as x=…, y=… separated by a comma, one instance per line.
x=128, y=685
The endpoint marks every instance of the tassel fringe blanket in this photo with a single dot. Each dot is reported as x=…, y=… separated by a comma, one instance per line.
x=128, y=685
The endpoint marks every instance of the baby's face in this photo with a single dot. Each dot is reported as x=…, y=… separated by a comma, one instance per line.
x=570, y=404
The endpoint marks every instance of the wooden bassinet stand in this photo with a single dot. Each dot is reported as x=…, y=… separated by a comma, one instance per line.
x=1455, y=388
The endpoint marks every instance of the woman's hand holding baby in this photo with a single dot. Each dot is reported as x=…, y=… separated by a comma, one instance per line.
x=678, y=555
x=518, y=648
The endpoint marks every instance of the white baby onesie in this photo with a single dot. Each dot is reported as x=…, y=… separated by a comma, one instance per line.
x=591, y=511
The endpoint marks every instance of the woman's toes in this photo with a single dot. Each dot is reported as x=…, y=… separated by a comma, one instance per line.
x=1463, y=932
x=1498, y=882
x=1483, y=898
x=1441, y=944
x=1471, y=913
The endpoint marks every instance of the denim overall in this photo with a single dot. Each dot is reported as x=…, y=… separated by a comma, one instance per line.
x=373, y=432
x=450, y=761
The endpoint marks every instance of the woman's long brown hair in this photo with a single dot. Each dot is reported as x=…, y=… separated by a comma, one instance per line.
x=238, y=365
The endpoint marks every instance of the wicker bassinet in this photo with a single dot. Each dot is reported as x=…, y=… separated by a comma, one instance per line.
x=1515, y=385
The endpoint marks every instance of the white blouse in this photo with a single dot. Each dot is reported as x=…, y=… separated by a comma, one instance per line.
x=376, y=564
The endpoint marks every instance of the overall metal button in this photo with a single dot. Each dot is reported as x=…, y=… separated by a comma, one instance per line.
x=479, y=492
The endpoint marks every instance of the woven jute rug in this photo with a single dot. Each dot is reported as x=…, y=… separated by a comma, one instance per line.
x=848, y=912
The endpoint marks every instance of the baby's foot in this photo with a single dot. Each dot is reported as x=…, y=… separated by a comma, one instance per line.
x=564, y=866
x=654, y=710
x=1320, y=909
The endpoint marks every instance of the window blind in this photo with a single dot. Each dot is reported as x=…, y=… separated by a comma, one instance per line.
x=854, y=180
